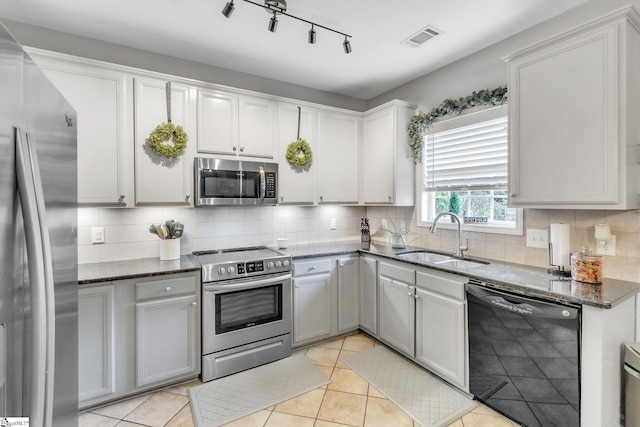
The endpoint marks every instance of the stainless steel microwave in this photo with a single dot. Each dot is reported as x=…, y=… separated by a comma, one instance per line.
x=221, y=182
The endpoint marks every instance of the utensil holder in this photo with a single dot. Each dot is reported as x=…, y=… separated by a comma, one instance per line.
x=169, y=249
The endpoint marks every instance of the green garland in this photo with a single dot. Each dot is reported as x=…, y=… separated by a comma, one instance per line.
x=422, y=121
x=299, y=153
x=168, y=140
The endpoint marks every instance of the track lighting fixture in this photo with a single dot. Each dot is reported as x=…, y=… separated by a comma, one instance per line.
x=279, y=7
x=346, y=45
x=312, y=35
x=273, y=23
x=228, y=9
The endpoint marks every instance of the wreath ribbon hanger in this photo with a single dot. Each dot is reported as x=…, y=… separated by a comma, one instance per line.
x=168, y=98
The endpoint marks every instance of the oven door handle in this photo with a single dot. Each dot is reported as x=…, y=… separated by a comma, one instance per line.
x=247, y=284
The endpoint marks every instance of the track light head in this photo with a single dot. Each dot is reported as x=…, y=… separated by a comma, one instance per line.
x=347, y=45
x=228, y=9
x=273, y=23
x=312, y=35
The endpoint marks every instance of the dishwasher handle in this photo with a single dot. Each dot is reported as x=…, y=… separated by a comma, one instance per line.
x=521, y=305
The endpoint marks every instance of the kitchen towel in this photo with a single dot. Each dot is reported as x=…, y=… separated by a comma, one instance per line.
x=226, y=399
x=560, y=245
x=424, y=397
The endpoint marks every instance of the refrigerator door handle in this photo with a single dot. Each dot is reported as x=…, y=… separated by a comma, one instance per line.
x=40, y=278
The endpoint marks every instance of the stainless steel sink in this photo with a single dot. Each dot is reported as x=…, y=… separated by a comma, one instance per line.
x=424, y=256
x=461, y=263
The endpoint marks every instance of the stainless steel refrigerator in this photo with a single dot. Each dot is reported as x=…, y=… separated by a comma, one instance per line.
x=38, y=252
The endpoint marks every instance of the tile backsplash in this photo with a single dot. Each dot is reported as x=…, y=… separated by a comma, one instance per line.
x=127, y=235
x=127, y=230
x=625, y=225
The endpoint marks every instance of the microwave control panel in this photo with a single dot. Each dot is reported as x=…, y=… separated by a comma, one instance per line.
x=270, y=184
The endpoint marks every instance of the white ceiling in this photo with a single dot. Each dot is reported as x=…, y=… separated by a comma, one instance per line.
x=196, y=30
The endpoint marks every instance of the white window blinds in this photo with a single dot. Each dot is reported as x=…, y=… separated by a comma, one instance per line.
x=472, y=157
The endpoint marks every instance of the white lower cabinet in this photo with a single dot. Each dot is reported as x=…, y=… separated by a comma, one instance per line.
x=325, y=298
x=397, y=307
x=96, y=344
x=441, y=309
x=166, y=339
x=368, y=275
x=423, y=315
x=311, y=300
x=137, y=334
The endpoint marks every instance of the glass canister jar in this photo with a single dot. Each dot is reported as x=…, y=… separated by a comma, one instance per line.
x=586, y=267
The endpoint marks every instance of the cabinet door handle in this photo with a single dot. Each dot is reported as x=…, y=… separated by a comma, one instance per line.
x=416, y=296
x=194, y=304
x=296, y=286
x=235, y=148
x=122, y=197
x=188, y=196
x=167, y=289
x=312, y=268
x=242, y=149
x=512, y=195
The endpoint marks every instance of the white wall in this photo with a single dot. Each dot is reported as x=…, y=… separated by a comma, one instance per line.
x=486, y=69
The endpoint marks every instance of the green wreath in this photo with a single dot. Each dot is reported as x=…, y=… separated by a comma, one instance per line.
x=299, y=153
x=168, y=140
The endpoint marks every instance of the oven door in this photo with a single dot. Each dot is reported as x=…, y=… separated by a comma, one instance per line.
x=242, y=311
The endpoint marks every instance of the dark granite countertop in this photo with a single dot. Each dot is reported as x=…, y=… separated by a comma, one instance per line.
x=117, y=270
x=515, y=278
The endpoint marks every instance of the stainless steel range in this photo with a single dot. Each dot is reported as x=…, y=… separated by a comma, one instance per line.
x=246, y=309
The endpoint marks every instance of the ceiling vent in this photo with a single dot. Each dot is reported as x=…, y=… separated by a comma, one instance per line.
x=422, y=36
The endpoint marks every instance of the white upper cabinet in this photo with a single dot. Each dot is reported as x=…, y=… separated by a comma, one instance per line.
x=233, y=125
x=574, y=101
x=387, y=165
x=296, y=185
x=338, y=157
x=161, y=179
x=257, y=132
x=103, y=98
x=217, y=122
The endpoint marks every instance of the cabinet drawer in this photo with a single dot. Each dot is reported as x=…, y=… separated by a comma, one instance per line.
x=313, y=266
x=446, y=284
x=165, y=288
x=406, y=275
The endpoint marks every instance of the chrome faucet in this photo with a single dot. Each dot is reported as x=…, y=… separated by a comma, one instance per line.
x=460, y=249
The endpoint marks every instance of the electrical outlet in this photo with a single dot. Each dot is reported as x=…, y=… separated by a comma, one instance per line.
x=97, y=235
x=384, y=224
x=608, y=249
x=537, y=238
x=332, y=224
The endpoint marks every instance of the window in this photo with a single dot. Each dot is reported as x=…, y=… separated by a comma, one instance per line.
x=466, y=159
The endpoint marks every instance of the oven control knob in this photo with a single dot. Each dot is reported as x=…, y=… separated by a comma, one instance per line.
x=270, y=265
x=278, y=264
x=285, y=263
x=221, y=271
x=231, y=270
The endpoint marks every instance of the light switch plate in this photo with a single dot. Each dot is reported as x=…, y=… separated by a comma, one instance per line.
x=537, y=238
x=384, y=224
x=332, y=224
x=97, y=235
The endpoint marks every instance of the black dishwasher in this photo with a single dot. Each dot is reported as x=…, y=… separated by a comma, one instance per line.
x=524, y=357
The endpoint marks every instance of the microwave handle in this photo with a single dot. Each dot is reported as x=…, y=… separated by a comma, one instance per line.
x=263, y=184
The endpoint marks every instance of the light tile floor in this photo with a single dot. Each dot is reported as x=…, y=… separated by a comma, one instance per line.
x=347, y=401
